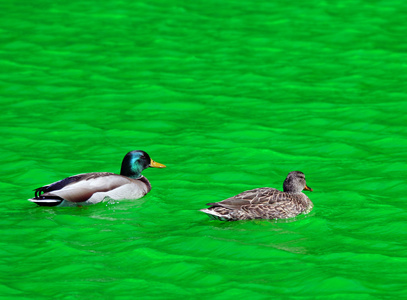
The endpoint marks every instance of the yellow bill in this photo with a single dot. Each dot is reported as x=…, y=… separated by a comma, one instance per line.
x=155, y=164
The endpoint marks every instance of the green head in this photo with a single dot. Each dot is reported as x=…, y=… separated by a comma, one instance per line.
x=135, y=162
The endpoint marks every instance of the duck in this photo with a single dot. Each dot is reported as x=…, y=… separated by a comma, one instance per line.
x=91, y=188
x=265, y=203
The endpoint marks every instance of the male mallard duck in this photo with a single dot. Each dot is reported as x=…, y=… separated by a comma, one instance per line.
x=265, y=203
x=91, y=188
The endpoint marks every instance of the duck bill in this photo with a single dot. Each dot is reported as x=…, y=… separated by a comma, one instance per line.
x=307, y=188
x=155, y=164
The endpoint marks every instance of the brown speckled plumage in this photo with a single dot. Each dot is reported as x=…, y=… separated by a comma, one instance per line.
x=265, y=203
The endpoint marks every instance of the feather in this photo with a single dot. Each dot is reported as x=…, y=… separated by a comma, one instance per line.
x=264, y=203
x=91, y=188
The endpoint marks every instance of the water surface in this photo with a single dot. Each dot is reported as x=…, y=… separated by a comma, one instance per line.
x=230, y=96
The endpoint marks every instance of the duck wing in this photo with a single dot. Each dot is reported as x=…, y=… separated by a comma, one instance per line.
x=259, y=196
x=81, y=187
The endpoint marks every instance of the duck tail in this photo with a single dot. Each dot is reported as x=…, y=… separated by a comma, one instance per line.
x=215, y=215
x=46, y=201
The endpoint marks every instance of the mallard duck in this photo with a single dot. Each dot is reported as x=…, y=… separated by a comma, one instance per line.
x=91, y=188
x=265, y=203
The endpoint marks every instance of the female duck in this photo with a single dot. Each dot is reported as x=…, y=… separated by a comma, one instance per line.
x=265, y=203
x=91, y=188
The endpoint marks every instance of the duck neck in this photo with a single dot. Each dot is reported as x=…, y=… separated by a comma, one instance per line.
x=293, y=192
x=132, y=175
x=136, y=176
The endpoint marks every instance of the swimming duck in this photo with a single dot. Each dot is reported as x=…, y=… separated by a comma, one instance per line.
x=91, y=188
x=265, y=203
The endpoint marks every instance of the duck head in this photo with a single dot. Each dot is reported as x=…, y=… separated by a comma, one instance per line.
x=135, y=162
x=295, y=183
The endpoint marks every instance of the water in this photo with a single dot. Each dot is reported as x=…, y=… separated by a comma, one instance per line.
x=230, y=96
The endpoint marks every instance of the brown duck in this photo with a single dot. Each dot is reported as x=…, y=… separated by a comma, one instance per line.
x=265, y=203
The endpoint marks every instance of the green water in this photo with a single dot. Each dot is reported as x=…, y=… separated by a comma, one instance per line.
x=230, y=95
